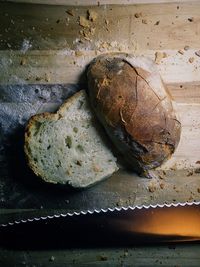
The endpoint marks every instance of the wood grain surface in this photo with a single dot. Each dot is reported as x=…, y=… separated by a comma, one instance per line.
x=47, y=45
x=166, y=256
x=95, y=2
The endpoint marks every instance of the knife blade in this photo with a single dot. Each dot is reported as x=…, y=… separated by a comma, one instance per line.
x=124, y=189
x=119, y=226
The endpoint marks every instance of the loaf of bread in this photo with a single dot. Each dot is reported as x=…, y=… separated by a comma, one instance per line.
x=69, y=147
x=133, y=104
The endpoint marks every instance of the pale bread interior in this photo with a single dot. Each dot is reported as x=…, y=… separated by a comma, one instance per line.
x=69, y=147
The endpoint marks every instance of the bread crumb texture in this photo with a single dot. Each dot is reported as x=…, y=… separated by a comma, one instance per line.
x=68, y=147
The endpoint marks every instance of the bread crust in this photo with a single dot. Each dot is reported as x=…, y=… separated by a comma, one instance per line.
x=135, y=108
x=40, y=118
x=69, y=156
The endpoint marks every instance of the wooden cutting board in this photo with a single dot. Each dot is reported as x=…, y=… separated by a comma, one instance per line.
x=44, y=50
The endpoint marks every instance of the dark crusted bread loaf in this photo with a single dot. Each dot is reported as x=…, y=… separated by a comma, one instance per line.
x=135, y=108
x=68, y=147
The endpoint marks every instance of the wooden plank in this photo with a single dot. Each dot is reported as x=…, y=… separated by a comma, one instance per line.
x=160, y=26
x=95, y=2
x=64, y=66
x=188, y=150
x=185, y=92
x=183, y=255
x=49, y=51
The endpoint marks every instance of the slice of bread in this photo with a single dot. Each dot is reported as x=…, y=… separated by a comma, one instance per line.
x=69, y=147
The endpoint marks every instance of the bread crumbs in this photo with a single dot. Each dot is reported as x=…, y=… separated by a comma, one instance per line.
x=186, y=47
x=152, y=188
x=191, y=60
x=191, y=19
x=138, y=15
x=162, y=185
x=92, y=15
x=144, y=21
x=159, y=56
x=181, y=52
x=190, y=173
x=197, y=53
x=84, y=22
x=70, y=12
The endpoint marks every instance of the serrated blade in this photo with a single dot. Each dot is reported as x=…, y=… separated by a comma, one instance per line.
x=121, y=191
x=118, y=226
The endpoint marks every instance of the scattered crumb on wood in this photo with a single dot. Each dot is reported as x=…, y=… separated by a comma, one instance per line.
x=160, y=177
x=78, y=53
x=88, y=39
x=191, y=59
x=157, y=22
x=164, y=172
x=23, y=62
x=92, y=30
x=105, y=45
x=52, y=258
x=159, y=56
x=197, y=53
x=197, y=162
x=198, y=190
x=164, y=54
x=144, y=21
x=162, y=185
x=176, y=189
x=138, y=15
x=106, y=21
x=58, y=21
x=103, y=258
x=92, y=15
x=47, y=78
x=38, y=78
x=190, y=198
x=186, y=47
x=191, y=19
x=181, y=52
x=190, y=173
x=125, y=253
x=70, y=12
x=152, y=187
x=87, y=32
x=84, y=22
x=197, y=170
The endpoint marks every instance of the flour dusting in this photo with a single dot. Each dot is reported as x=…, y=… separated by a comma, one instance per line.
x=26, y=45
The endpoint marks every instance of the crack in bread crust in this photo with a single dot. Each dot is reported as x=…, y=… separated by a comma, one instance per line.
x=146, y=116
